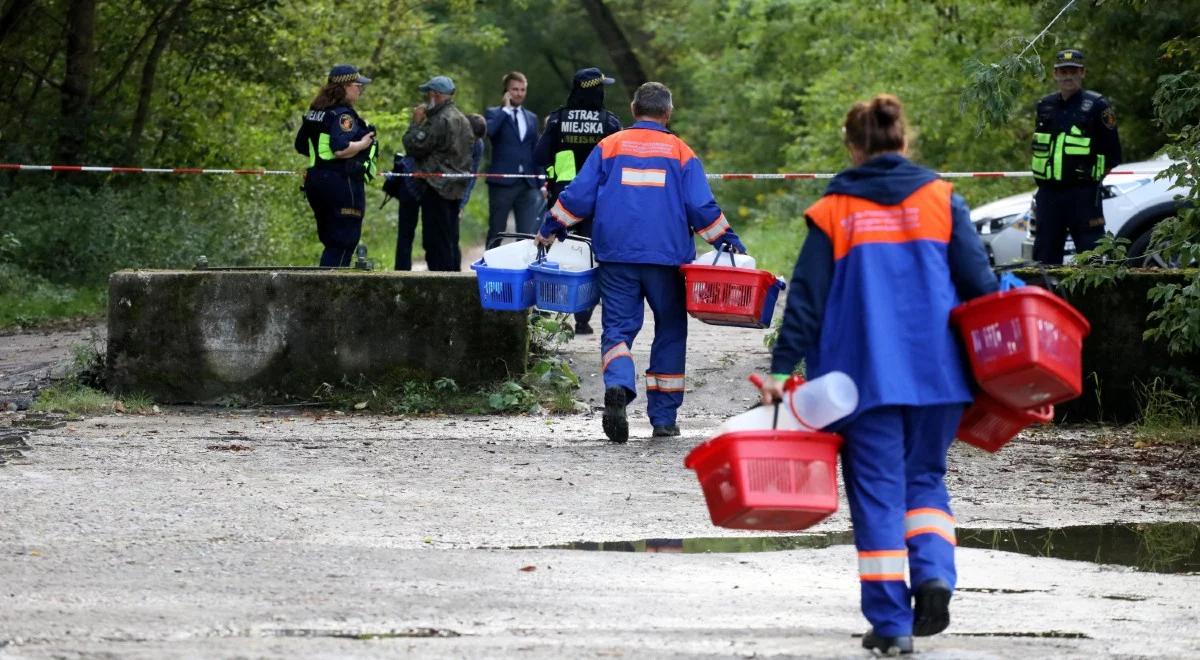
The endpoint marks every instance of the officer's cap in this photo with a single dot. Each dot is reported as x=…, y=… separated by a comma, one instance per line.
x=347, y=73
x=591, y=77
x=439, y=84
x=1068, y=57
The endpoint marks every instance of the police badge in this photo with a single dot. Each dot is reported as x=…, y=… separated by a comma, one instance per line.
x=347, y=123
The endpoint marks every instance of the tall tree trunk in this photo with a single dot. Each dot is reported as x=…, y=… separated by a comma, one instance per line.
x=149, y=69
x=81, y=67
x=12, y=15
x=629, y=69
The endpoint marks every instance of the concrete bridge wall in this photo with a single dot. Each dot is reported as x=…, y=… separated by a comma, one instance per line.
x=197, y=336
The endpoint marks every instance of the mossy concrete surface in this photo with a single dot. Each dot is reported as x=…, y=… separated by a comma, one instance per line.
x=199, y=336
x=1118, y=365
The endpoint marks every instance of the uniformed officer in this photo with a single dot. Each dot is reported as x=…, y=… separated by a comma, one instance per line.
x=572, y=131
x=1074, y=145
x=341, y=152
x=647, y=192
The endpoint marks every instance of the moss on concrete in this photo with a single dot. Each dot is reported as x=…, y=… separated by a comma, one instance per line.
x=279, y=335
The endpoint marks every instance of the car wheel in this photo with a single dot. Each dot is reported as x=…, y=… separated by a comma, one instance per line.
x=1141, y=255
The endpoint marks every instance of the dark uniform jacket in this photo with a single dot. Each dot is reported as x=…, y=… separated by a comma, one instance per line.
x=1075, y=141
x=325, y=132
x=442, y=143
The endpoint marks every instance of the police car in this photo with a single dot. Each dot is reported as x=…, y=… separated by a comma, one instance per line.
x=1133, y=204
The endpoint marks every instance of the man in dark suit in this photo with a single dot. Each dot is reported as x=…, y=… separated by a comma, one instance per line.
x=513, y=131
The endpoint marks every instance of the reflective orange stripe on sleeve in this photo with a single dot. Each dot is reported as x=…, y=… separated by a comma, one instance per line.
x=564, y=216
x=715, y=230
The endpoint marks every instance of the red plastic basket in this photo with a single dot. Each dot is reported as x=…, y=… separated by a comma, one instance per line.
x=722, y=295
x=989, y=424
x=1025, y=344
x=773, y=480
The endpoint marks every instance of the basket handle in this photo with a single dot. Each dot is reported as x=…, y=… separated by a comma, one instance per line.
x=508, y=234
x=757, y=381
x=725, y=249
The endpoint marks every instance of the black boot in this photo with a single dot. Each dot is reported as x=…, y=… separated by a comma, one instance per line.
x=668, y=431
x=583, y=328
x=616, y=427
x=887, y=645
x=931, y=613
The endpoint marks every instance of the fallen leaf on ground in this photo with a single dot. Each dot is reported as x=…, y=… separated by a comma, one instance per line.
x=528, y=569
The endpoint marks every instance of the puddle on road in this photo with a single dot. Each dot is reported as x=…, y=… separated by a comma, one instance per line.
x=361, y=635
x=1155, y=547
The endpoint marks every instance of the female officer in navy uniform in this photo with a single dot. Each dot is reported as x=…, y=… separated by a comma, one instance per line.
x=341, y=157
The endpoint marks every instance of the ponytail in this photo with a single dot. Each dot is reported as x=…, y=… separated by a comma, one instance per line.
x=876, y=126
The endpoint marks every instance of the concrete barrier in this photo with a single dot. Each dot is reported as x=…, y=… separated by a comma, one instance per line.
x=198, y=336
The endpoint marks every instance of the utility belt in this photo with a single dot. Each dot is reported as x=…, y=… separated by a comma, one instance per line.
x=1066, y=158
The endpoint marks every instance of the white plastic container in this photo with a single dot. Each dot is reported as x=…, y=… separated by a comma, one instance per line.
x=810, y=407
x=571, y=255
x=512, y=256
x=738, y=261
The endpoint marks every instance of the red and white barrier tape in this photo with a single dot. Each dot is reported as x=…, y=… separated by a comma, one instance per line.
x=757, y=176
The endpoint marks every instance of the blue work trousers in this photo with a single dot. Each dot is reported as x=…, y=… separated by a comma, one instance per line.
x=624, y=291
x=894, y=463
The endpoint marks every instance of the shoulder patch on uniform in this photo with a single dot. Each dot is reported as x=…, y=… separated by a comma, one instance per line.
x=1109, y=118
x=346, y=121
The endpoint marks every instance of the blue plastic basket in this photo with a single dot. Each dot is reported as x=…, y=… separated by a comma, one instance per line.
x=504, y=289
x=564, y=290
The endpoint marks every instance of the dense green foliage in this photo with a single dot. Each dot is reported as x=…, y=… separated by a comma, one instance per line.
x=760, y=85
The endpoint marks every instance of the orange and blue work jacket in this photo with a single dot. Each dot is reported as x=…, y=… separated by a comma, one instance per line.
x=647, y=193
x=890, y=251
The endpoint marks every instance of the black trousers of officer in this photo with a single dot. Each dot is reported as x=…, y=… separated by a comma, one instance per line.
x=1062, y=209
x=337, y=200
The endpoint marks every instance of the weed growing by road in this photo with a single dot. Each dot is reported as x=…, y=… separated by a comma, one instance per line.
x=1167, y=417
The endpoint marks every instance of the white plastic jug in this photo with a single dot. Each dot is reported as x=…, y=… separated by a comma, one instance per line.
x=811, y=406
x=512, y=256
x=738, y=260
x=571, y=255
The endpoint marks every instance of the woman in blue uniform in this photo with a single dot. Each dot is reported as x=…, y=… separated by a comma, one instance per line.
x=341, y=157
x=890, y=251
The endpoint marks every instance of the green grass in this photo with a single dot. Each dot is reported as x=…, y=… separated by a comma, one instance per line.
x=1167, y=417
x=47, y=304
x=72, y=397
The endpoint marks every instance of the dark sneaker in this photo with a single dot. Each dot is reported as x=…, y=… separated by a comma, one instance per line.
x=887, y=645
x=584, y=328
x=616, y=427
x=668, y=431
x=931, y=613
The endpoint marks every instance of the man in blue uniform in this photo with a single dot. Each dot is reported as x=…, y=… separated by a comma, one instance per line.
x=647, y=194
x=1074, y=145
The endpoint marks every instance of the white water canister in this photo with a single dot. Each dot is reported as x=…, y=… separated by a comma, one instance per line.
x=727, y=259
x=571, y=255
x=809, y=406
x=512, y=256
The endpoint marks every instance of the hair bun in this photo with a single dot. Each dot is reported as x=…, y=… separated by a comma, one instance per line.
x=887, y=109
